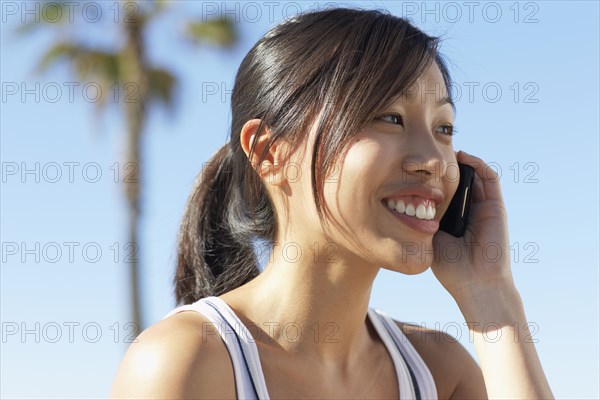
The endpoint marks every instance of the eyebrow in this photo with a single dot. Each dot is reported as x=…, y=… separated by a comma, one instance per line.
x=446, y=100
x=439, y=102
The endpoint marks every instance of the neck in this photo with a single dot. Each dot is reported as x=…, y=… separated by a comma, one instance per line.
x=315, y=305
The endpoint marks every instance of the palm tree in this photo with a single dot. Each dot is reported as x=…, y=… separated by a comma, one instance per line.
x=128, y=67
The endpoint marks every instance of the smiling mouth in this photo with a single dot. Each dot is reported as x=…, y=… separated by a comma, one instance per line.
x=413, y=206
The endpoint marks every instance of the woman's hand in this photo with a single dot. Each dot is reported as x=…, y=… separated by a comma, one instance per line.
x=480, y=280
x=479, y=260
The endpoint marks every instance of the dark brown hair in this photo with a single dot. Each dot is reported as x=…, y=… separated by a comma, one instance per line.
x=342, y=64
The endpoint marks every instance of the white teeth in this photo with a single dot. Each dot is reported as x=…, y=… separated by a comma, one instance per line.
x=430, y=212
x=391, y=204
x=421, y=212
x=400, y=206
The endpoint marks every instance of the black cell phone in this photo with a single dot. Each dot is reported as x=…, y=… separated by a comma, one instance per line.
x=456, y=218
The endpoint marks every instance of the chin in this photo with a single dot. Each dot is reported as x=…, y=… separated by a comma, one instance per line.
x=411, y=265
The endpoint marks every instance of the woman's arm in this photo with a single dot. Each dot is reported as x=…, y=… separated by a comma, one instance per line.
x=173, y=359
x=509, y=362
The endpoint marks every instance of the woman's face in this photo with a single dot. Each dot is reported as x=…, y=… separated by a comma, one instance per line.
x=404, y=159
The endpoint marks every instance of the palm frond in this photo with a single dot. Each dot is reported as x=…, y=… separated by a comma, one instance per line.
x=47, y=13
x=88, y=63
x=217, y=31
x=161, y=84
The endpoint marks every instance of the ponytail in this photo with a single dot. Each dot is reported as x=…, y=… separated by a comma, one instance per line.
x=216, y=250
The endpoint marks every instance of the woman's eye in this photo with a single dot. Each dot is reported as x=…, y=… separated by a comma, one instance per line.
x=393, y=119
x=446, y=130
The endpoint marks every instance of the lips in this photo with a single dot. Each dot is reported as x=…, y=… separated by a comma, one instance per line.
x=428, y=226
x=417, y=194
x=416, y=207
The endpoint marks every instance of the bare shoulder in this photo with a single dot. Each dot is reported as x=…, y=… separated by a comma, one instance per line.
x=456, y=374
x=177, y=357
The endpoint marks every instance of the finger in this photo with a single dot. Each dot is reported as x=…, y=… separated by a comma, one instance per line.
x=477, y=189
x=489, y=179
x=478, y=194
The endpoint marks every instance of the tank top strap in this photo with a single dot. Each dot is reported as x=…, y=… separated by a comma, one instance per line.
x=420, y=374
x=408, y=388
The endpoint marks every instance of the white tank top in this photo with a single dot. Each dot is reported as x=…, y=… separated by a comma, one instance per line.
x=413, y=375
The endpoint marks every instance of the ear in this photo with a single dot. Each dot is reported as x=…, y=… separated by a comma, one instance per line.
x=272, y=166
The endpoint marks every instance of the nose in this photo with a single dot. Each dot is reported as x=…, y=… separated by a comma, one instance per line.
x=424, y=160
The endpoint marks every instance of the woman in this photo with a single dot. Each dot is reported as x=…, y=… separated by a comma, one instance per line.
x=340, y=158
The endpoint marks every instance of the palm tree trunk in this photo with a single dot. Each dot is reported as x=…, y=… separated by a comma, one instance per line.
x=134, y=78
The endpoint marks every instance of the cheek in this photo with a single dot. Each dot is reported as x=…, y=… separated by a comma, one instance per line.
x=366, y=160
x=352, y=188
x=451, y=177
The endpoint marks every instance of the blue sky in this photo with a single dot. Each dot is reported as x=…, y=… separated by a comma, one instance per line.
x=528, y=77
